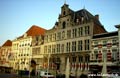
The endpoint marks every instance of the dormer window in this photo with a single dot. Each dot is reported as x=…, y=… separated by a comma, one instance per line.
x=64, y=25
x=25, y=35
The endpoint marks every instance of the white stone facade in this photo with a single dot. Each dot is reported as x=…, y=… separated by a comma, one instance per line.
x=23, y=53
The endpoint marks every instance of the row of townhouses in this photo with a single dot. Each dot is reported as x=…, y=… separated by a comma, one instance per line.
x=77, y=35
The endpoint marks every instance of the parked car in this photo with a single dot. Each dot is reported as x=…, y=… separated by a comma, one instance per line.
x=45, y=74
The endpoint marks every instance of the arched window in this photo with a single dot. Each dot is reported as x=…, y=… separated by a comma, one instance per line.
x=64, y=13
x=64, y=25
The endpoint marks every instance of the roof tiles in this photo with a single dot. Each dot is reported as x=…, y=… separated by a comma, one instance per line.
x=35, y=30
x=7, y=43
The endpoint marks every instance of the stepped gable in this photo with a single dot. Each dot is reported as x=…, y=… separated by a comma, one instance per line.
x=7, y=43
x=83, y=16
x=35, y=30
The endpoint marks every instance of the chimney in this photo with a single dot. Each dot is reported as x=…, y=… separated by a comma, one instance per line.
x=97, y=16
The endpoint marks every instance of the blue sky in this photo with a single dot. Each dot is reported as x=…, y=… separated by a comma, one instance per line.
x=17, y=16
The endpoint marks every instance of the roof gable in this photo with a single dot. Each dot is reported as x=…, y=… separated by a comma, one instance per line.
x=35, y=30
x=7, y=43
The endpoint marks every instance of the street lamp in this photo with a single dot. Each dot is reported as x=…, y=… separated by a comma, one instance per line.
x=48, y=64
x=18, y=66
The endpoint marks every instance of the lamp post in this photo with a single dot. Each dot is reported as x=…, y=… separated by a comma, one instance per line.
x=18, y=66
x=48, y=63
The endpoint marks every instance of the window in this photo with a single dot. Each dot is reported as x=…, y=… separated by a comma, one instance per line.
x=74, y=46
x=53, y=49
x=80, y=58
x=64, y=25
x=104, y=42
x=63, y=35
x=80, y=31
x=45, y=49
x=38, y=50
x=95, y=43
x=62, y=48
x=46, y=38
x=114, y=54
x=37, y=38
x=68, y=34
x=87, y=43
x=58, y=48
x=87, y=58
x=59, y=35
x=68, y=47
x=74, y=59
x=87, y=31
x=27, y=54
x=49, y=49
x=55, y=36
x=74, y=32
x=80, y=45
x=114, y=41
x=64, y=13
x=50, y=37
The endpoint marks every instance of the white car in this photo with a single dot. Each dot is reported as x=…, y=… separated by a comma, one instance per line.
x=45, y=74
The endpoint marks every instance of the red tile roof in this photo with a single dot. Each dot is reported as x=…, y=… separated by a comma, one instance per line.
x=98, y=29
x=7, y=43
x=34, y=31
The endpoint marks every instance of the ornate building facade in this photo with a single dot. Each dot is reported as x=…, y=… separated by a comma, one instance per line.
x=71, y=38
